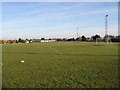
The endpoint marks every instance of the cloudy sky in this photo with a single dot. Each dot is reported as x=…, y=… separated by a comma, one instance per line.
x=57, y=19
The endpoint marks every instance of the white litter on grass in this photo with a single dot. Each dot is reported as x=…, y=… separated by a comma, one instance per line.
x=1, y=64
x=22, y=61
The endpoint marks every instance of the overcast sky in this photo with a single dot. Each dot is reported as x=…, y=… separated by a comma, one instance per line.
x=58, y=19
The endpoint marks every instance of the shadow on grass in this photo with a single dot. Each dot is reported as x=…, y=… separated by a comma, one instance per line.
x=73, y=54
x=31, y=53
x=86, y=55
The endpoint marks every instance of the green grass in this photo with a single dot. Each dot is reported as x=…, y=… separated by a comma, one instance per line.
x=60, y=65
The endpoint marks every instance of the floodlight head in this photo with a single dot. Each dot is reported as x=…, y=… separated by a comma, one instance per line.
x=106, y=15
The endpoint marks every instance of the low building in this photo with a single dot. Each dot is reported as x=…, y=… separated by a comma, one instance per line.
x=9, y=41
x=48, y=40
x=27, y=42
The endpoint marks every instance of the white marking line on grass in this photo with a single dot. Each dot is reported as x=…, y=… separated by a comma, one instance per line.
x=56, y=50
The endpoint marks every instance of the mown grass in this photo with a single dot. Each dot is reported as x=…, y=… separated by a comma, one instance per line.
x=60, y=65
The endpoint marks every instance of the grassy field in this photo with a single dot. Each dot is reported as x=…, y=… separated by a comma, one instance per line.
x=60, y=65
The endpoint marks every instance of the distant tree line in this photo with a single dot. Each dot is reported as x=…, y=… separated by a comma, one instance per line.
x=99, y=38
x=82, y=38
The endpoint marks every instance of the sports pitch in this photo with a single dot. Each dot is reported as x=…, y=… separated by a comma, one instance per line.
x=60, y=65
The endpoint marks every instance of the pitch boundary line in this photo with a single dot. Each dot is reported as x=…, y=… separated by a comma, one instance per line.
x=56, y=50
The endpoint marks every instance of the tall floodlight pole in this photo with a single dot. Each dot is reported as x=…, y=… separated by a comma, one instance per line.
x=106, y=32
x=77, y=32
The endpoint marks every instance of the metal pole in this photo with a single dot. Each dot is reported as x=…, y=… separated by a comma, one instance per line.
x=106, y=32
x=77, y=32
